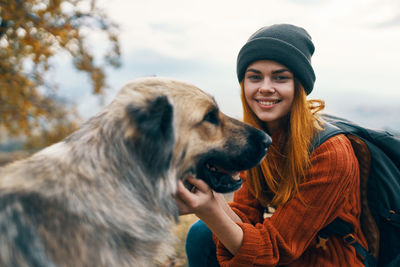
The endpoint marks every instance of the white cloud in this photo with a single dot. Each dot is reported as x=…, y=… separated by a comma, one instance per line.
x=356, y=43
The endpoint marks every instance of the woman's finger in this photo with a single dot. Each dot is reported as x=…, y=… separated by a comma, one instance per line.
x=184, y=194
x=199, y=184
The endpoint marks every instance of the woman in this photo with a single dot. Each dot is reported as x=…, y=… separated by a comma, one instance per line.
x=307, y=191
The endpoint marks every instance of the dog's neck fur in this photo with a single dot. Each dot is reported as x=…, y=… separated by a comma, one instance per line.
x=108, y=194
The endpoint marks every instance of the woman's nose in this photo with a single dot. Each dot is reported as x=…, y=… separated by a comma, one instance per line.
x=266, y=86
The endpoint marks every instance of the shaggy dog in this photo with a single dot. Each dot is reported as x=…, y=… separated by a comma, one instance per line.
x=104, y=195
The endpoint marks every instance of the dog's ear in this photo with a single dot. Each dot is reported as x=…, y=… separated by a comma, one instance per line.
x=153, y=135
x=154, y=119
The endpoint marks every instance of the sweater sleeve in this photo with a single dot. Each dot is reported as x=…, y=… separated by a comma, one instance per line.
x=283, y=238
x=246, y=206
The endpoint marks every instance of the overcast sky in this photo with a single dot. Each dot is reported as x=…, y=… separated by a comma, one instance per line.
x=356, y=58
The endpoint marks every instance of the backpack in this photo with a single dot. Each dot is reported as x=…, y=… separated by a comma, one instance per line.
x=378, y=153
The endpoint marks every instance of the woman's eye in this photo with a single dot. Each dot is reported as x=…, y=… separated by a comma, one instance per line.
x=282, y=78
x=254, y=77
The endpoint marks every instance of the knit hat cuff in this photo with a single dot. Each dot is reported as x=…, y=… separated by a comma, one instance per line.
x=267, y=48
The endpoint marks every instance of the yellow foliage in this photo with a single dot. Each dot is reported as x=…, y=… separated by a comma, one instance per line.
x=32, y=32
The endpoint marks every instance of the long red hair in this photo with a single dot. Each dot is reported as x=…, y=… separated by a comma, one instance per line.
x=278, y=176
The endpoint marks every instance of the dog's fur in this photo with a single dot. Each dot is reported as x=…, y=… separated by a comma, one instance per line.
x=104, y=195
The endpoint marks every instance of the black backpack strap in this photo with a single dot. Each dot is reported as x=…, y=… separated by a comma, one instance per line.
x=327, y=132
x=345, y=230
x=339, y=227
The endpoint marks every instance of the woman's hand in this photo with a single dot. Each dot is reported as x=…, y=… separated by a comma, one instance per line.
x=199, y=200
x=212, y=209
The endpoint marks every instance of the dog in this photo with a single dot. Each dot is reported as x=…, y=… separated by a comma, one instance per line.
x=104, y=196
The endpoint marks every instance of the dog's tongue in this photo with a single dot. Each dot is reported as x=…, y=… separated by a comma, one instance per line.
x=235, y=175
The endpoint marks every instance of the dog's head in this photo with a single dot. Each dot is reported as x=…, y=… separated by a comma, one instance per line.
x=176, y=125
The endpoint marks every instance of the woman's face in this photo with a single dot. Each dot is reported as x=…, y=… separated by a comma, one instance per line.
x=269, y=92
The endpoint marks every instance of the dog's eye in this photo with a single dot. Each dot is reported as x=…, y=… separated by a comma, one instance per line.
x=212, y=117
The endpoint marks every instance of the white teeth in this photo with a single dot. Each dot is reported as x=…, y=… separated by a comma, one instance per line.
x=267, y=103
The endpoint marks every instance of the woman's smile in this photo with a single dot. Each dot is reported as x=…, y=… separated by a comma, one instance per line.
x=269, y=91
x=267, y=103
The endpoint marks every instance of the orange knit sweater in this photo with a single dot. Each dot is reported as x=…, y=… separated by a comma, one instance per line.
x=288, y=238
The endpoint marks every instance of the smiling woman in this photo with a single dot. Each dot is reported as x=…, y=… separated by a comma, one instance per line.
x=307, y=192
x=269, y=91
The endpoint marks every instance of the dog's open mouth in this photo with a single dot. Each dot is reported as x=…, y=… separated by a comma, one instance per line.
x=220, y=179
x=220, y=171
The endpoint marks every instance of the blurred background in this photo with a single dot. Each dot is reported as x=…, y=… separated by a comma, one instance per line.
x=61, y=61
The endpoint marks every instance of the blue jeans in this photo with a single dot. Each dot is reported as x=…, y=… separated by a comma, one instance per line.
x=200, y=247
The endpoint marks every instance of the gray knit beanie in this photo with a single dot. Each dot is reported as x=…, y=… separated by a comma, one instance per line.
x=284, y=43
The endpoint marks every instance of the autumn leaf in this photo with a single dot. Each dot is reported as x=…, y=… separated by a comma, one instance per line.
x=31, y=33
